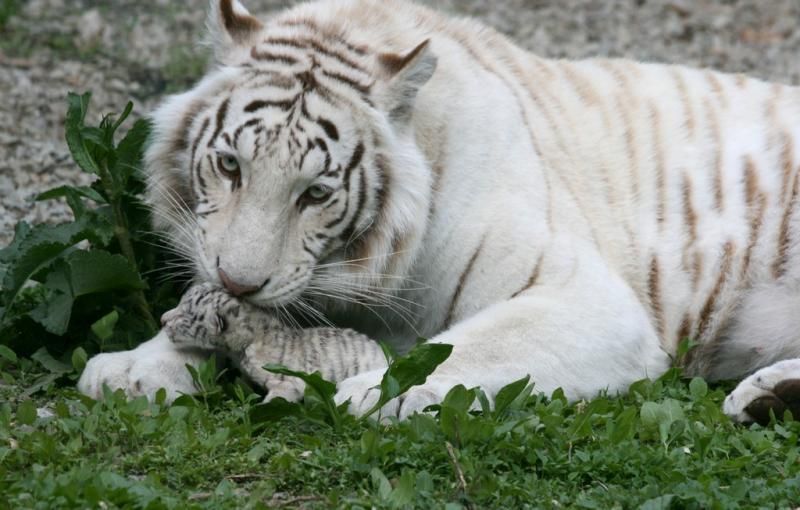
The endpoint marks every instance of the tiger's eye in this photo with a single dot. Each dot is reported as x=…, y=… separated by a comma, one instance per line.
x=229, y=165
x=318, y=192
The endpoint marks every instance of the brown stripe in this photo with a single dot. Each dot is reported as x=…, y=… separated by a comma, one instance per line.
x=580, y=85
x=697, y=270
x=685, y=330
x=654, y=294
x=532, y=279
x=689, y=213
x=658, y=147
x=630, y=145
x=724, y=273
x=460, y=286
x=716, y=143
x=756, y=205
x=779, y=266
x=716, y=86
x=787, y=161
x=686, y=101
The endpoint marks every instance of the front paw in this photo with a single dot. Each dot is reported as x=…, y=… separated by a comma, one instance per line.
x=363, y=391
x=198, y=319
x=143, y=371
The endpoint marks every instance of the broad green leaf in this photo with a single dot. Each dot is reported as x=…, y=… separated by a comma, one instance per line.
x=76, y=113
x=582, y=426
x=26, y=412
x=79, y=358
x=698, y=388
x=410, y=370
x=381, y=483
x=104, y=327
x=403, y=494
x=100, y=271
x=74, y=196
x=7, y=354
x=325, y=390
x=508, y=394
x=459, y=398
x=55, y=310
x=50, y=363
x=274, y=410
x=130, y=150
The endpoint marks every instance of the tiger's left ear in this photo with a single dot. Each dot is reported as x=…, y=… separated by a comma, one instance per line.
x=231, y=27
x=401, y=78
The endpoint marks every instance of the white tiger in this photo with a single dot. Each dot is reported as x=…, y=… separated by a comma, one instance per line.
x=568, y=220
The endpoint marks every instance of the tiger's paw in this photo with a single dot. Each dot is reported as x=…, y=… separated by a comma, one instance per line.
x=775, y=388
x=200, y=318
x=142, y=371
x=363, y=391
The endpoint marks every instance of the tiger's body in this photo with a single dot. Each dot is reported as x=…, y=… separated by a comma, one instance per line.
x=568, y=220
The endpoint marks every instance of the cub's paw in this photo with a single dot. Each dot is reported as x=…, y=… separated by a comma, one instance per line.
x=200, y=318
x=143, y=371
x=363, y=390
x=776, y=388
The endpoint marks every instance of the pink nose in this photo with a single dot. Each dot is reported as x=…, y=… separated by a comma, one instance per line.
x=237, y=289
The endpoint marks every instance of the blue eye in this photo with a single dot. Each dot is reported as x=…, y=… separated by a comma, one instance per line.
x=318, y=192
x=229, y=165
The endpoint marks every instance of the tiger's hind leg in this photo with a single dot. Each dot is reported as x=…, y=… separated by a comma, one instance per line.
x=763, y=343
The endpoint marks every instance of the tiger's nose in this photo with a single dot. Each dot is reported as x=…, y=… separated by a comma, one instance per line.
x=235, y=288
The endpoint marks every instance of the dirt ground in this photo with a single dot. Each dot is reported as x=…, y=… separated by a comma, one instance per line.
x=145, y=49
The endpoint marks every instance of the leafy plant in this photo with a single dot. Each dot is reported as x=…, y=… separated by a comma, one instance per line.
x=72, y=284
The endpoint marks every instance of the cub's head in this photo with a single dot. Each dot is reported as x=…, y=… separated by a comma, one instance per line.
x=292, y=163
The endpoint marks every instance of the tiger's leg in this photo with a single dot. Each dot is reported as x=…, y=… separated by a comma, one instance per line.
x=585, y=335
x=155, y=364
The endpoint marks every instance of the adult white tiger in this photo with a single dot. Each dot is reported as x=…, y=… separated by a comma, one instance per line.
x=569, y=220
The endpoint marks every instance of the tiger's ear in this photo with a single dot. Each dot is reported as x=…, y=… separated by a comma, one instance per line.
x=231, y=26
x=402, y=77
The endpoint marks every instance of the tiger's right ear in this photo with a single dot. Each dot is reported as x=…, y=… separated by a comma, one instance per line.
x=231, y=27
x=402, y=77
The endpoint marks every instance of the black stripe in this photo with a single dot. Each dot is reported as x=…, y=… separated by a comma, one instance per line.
x=329, y=128
x=196, y=143
x=361, y=88
x=284, y=105
x=240, y=129
x=272, y=57
x=221, y=114
x=349, y=231
x=358, y=153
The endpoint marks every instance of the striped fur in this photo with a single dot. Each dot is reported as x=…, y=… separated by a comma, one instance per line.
x=209, y=318
x=569, y=220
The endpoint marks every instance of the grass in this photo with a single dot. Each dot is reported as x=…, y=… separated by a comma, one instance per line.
x=665, y=445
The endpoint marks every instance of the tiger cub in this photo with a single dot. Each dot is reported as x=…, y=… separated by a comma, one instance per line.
x=209, y=318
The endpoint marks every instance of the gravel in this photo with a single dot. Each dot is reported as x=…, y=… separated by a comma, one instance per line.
x=142, y=50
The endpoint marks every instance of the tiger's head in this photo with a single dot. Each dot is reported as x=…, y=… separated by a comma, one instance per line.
x=292, y=164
